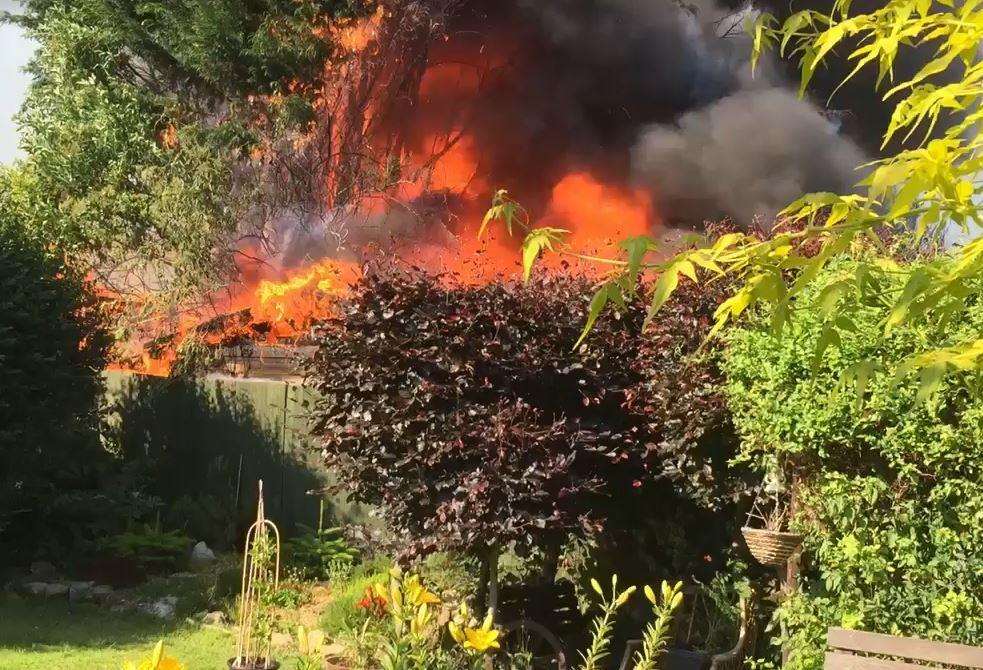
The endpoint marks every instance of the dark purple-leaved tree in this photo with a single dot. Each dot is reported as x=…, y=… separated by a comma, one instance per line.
x=465, y=413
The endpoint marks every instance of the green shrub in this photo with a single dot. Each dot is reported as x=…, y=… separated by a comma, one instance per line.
x=290, y=595
x=341, y=614
x=316, y=554
x=451, y=575
x=891, y=484
x=154, y=550
x=192, y=590
x=52, y=349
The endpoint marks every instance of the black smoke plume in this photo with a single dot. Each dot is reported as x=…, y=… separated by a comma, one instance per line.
x=644, y=93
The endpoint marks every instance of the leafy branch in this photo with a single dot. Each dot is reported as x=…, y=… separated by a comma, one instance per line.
x=904, y=207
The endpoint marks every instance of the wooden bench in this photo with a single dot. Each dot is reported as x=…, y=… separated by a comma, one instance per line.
x=858, y=650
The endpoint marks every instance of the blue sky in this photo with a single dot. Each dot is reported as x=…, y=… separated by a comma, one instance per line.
x=15, y=51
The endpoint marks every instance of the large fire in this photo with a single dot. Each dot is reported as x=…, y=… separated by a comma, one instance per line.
x=279, y=306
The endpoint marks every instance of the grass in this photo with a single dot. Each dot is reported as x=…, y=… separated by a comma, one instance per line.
x=39, y=635
x=46, y=635
x=340, y=614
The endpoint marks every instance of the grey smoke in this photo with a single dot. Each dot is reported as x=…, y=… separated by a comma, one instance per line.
x=303, y=237
x=660, y=94
x=746, y=155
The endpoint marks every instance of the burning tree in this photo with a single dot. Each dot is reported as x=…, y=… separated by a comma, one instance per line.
x=463, y=412
x=184, y=152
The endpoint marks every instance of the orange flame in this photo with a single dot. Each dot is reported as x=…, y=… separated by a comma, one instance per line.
x=281, y=306
x=599, y=215
x=292, y=305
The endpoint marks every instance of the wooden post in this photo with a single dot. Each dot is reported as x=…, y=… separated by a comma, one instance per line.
x=788, y=574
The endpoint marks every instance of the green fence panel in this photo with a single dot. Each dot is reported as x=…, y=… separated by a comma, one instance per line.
x=226, y=433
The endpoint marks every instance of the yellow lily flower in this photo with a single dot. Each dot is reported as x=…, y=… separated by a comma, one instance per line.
x=157, y=661
x=417, y=593
x=481, y=640
x=420, y=621
x=165, y=663
x=456, y=632
x=309, y=642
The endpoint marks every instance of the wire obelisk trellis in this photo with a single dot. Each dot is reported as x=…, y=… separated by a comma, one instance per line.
x=260, y=578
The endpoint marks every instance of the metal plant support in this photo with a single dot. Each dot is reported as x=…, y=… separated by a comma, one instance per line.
x=260, y=578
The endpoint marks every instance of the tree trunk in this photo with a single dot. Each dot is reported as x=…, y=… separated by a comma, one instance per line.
x=492, y=562
x=481, y=597
x=550, y=565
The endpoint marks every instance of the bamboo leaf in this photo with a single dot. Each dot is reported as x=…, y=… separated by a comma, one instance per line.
x=538, y=240
x=666, y=284
x=597, y=304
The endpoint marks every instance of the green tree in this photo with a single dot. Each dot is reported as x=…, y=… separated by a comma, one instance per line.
x=892, y=493
x=52, y=352
x=138, y=129
x=920, y=193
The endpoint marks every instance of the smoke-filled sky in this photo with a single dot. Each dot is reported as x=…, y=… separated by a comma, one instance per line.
x=15, y=51
x=636, y=89
x=642, y=93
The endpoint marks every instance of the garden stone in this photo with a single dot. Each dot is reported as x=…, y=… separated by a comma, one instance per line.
x=216, y=618
x=36, y=588
x=14, y=579
x=80, y=590
x=165, y=608
x=42, y=570
x=202, y=556
x=55, y=590
x=101, y=593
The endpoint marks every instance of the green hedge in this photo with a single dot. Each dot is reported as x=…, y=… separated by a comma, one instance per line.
x=51, y=353
x=892, y=487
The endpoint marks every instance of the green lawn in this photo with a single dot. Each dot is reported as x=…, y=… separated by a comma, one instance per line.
x=37, y=635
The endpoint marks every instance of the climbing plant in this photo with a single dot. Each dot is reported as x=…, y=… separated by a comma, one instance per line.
x=889, y=483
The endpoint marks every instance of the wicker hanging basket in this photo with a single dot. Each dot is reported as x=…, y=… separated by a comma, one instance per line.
x=771, y=547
